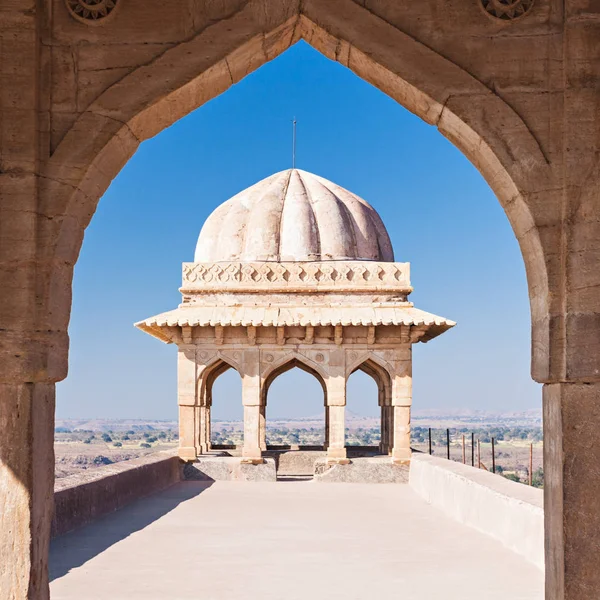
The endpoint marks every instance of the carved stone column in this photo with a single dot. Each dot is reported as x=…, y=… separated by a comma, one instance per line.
x=263, y=427
x=251, y=398
x=189, y=442
x=336, y=407
x=400, y=411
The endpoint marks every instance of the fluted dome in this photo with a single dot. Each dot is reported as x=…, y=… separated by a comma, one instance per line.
x=294, y=216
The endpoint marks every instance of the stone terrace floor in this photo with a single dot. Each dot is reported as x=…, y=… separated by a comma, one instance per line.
x=285, y=540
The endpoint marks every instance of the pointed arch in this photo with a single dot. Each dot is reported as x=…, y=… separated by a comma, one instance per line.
x=381, y=374
x=212, y=371
x=145, y=101
x=295, y=361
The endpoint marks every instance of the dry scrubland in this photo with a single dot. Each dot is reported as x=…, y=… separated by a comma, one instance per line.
x=90, y=444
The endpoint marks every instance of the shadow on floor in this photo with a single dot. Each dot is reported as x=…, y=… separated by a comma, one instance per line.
x=75, y=548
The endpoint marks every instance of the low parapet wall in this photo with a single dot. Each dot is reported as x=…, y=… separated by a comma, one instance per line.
x=81, y=498
x=510, y=512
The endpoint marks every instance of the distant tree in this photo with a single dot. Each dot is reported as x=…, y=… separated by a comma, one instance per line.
x=512, y=477
x=151, y=439
x=162, y=435
x=62, y=430
x=145, y=445
x=146, y=435
x=117, y=444
x=106, y=438
x=102, y=460
x=125, y=437
x=537, y=479
x=131, y=432
x=87, y=441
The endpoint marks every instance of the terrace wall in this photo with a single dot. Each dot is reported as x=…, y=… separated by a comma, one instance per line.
x=510, y=512
x=81, y=498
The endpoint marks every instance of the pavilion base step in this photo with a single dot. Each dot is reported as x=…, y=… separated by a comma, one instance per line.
x=379, y=469
x=228, y=468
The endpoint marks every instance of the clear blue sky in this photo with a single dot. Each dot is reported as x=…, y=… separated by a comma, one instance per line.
x=441, y=215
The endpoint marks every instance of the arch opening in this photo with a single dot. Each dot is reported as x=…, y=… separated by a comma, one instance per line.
x=223, y=397
x=494, y=138
x=369, y=418
x=293, y=404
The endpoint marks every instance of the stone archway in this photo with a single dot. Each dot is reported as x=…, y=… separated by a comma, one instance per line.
x=286, y=366
x=493, y=137
x=520, y=100
x=381, y=377
x=205, y=401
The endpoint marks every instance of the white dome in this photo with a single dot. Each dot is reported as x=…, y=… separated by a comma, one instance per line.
x=294, y=216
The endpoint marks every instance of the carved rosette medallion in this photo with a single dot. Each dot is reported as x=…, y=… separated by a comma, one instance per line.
x=507, y=10
x=92, y=12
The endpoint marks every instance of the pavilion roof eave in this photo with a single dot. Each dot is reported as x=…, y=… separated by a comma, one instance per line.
x=276, y=316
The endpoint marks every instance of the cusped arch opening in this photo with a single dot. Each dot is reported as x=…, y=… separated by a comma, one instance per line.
x=223, y=395
x=368, y=396
x=295, y=406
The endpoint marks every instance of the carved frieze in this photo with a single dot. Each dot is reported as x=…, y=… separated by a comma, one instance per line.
x=293, y=276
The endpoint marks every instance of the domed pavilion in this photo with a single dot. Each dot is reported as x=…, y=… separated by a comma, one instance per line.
x=295, y=271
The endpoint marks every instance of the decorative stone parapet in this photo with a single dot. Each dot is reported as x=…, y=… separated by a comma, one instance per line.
x=322, y=276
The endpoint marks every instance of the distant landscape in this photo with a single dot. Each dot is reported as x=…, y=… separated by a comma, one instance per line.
x=82, y=444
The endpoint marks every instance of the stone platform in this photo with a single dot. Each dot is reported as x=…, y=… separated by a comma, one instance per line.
x=229, y=468
x=268, y=541
x=377, y=469
x=361, y=468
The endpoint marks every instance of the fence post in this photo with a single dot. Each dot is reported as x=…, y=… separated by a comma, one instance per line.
x=531, y=463
x=430, y=452
x=464, y=450
x=493, y=457
x=448, y=442
x=478, y=453
x=472, y=449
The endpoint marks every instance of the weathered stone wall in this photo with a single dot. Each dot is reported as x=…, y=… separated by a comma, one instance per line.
x=81, y=498
x=510, y=512
x=520, y=98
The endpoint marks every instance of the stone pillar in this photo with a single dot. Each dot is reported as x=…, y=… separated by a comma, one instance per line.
x=203, y=428
x=26, y=488
x=326, y=440
x=207, y=428
x=399, y=422
x=263, y=427
x=572, y=490
x=384, y=445
x=401, y=433
x=336, y=408
x=189, y=419
x=251, y=398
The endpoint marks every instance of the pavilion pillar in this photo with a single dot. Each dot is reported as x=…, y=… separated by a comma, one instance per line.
x=336, y=409
x=189, y=419
x=203, y=429
x=326, y=436
x=263, y=427
x=399, y=421
x=251, y=398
